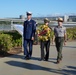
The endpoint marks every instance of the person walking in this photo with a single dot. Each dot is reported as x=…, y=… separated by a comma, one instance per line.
x=60, y=38
x=29, y=33
x=44, y=33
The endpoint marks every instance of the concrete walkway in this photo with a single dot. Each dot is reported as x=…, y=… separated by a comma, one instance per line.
x=16, y=65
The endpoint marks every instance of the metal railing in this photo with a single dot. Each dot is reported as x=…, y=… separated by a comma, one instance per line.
x=6, y=27
x=11, y=26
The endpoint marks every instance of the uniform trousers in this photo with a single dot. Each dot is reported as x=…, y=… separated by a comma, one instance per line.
x=45, y=53
x=28, y=46
x=59, y=45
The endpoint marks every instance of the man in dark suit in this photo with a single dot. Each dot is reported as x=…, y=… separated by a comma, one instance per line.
x=29, y=33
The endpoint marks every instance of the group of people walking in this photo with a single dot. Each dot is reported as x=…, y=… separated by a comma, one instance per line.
x=44, y=35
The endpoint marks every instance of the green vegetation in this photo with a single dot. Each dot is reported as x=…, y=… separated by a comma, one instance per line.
x=18, y=23
x=71, y=33
x=8, y=40
x=5, y=43
x=16, y=38
x=5, y=22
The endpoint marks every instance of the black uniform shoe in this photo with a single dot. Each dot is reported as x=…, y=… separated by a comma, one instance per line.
x=45, y=59
x=26, y=57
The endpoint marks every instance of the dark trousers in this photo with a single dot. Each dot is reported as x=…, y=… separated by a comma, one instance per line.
x=46, y=45
x=28, y=45
x=59, y=45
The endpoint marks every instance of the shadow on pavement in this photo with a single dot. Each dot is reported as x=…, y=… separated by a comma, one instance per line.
x=52, y=60
x=32, y=58
x=30, y=66
x=71, y=70
x=22, y=57
x=35, y=58
x=17, y=56
x=72, y=67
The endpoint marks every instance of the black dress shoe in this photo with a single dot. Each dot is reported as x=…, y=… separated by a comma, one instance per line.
x=26, y=57
x=46, y=60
